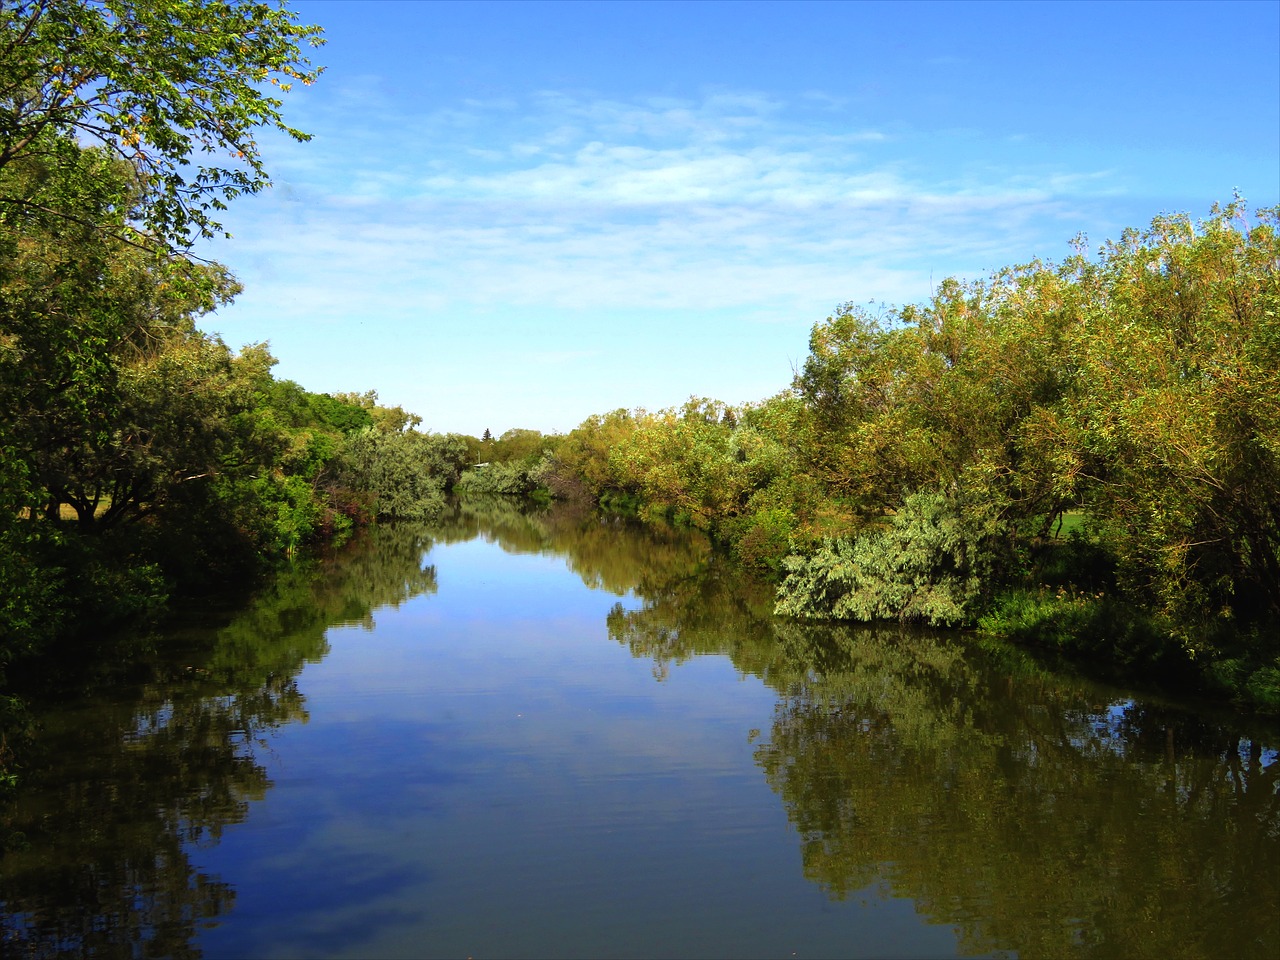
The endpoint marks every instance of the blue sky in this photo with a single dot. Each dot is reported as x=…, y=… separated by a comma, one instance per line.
x=517, y=215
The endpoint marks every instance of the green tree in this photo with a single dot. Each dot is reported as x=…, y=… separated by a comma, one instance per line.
x=387, y=419
x=406, y=474
x=520, y=446
x=154, y=82
x=582, y=461
x=1178, y=413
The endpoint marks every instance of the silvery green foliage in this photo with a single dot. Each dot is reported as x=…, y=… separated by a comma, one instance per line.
x=503, y=478
x=931, y=564
x=395, y=469
x=515, y=478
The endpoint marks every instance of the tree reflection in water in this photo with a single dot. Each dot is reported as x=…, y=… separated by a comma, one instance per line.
x=607, y=552
x=1033, y=812
x=165, y=753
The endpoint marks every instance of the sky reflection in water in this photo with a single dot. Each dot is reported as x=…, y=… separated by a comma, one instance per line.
x=485, y=774
x=556, y=736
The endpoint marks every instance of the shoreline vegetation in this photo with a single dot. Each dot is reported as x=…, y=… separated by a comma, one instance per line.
x=1083, y=457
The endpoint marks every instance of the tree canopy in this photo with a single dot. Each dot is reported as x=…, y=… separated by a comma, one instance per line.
x=155, y=83
x=125, y=125
x=1084, y=455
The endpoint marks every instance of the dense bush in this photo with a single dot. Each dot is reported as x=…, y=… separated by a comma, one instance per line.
x=937, y=562
x=513, y=478
x=389, y=466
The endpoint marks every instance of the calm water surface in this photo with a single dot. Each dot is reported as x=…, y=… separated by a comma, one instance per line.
x=552, y=735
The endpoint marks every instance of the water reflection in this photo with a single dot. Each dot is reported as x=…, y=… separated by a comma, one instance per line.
x=1024, y=811
x=160, y=755
x=1032, y=812
x=607, y=552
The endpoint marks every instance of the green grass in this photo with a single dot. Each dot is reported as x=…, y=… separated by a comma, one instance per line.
x=1070, y=522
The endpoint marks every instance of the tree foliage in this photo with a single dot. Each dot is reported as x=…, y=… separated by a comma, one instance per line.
x=156, y=83
x=936, y=562
x=1134, y=391
x=178, y=461
x=406, y=474
x=1139, y=387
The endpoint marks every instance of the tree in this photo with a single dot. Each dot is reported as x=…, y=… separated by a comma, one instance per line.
x=300, y=408
x=1139, y=388
x=395, y=469
x=153, y=82
x=104, y=374
x=387, y=419
x=1174, y=421
x=520, y=446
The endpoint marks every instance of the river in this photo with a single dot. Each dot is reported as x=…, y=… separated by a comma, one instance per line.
x=552, y=734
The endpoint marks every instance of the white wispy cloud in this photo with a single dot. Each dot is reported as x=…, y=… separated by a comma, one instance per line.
x=593, y=206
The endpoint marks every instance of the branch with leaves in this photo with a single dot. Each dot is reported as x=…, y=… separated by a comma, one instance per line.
x=154, y=82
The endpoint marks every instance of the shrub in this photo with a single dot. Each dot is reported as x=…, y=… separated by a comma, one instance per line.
x=1086, y=627
x=763, y=539
x=935, y=562
x=501, y=478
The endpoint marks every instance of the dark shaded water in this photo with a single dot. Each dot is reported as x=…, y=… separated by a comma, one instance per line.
x=557, y=736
